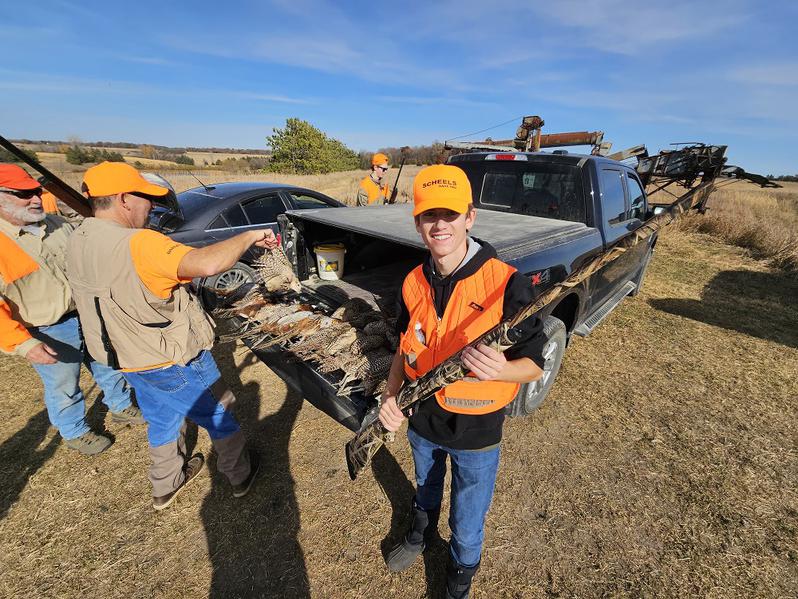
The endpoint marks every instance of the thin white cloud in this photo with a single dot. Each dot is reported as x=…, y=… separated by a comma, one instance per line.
x=150, y=60
x=48, y=83
x=772, y=74
x=441, y=101
x=616, y=26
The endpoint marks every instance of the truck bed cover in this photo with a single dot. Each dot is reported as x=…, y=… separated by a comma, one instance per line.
x=513, y=235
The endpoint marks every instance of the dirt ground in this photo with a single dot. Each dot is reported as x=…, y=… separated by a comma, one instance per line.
x=663, y=464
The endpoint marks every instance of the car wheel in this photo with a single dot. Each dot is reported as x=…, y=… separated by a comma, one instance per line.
x=225, y=282
x=531, y=395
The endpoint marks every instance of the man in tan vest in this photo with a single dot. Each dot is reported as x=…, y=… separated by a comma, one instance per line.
x=138, y=313
x=371, y=190
x=38, y=320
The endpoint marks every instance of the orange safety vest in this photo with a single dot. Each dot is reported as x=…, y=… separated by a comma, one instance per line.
x=14, y=264
x=373, y=190
x=474, y=307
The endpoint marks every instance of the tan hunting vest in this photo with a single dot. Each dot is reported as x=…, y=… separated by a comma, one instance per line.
x=126, y=325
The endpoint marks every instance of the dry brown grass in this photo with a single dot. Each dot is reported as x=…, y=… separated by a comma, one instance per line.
x=764, y=221
x=663, y=464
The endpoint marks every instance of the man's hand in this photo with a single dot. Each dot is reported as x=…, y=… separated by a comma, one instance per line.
x=486, y=363
x=390, y=414
x=265, y=239
x=42, y=354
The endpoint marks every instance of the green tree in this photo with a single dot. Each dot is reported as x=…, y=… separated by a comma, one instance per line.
x=78, y=155
x=301, y=148
x=184, y=159
x=6, y=156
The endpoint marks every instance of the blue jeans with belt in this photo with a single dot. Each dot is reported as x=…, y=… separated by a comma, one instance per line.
x=62, y=395
x=473, y=480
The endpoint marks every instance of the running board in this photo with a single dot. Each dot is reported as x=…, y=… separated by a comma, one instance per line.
x=584, y=329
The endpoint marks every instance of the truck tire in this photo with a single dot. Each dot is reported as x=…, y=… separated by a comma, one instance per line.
x=228, y=280
x=641, y=275
x=531, y=395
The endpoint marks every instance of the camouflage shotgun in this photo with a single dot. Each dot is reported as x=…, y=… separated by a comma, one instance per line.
x=372, y=434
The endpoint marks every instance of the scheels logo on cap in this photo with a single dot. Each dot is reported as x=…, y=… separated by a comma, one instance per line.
x=441, y=182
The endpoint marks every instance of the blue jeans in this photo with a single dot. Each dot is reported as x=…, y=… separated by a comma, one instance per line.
x=62, y=395
x=473, y=480
x=167, y=396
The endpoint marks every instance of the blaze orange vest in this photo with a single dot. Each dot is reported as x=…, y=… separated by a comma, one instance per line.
x=14, y=262
x=373, y=190
x=474, y=307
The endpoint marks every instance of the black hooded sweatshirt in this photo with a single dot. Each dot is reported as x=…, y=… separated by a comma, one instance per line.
x=467, y=431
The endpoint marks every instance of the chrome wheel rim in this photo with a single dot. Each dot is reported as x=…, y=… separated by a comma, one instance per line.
x=231, y=279
x=549, y=356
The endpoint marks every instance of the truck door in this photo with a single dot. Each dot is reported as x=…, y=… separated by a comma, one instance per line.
x=623, y=206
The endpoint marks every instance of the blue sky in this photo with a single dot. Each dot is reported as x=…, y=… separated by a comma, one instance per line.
x=379, y=74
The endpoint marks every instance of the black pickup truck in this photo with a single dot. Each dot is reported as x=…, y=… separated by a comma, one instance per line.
x=546, y=214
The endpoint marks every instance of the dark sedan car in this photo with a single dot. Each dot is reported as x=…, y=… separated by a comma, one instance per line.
x=204, y=215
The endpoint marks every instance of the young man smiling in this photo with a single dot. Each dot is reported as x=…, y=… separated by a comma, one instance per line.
x=461, y=291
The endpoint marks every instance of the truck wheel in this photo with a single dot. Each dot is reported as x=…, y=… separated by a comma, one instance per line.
x=228, y=280
x=531, y=395
x=641, y=275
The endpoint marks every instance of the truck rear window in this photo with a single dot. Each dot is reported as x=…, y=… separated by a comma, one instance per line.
x=547, y=190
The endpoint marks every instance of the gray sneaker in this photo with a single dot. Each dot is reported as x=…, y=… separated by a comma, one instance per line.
x=191, y=469
x=130, y=415
x=89, y=443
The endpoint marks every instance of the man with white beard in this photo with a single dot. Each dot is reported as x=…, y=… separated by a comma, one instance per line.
x=38, y=319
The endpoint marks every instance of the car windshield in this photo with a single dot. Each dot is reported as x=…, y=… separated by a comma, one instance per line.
x=193, y=201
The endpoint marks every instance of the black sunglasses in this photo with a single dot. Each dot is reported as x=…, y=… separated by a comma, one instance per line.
x=26, y=194
x=383, y=168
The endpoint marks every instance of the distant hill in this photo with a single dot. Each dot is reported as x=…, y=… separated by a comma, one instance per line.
x=48, y=145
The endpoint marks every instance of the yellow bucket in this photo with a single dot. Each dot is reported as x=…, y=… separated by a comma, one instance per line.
x=330, y=260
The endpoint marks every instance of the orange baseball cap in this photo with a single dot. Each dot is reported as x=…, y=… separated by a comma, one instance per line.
x=16, y=178
x=379, y=158
x=441, y=186
x=111, y=178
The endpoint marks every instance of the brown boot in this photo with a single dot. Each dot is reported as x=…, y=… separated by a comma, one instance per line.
x=191, y=470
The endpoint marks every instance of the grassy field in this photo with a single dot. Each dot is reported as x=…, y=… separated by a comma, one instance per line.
x=664, y=464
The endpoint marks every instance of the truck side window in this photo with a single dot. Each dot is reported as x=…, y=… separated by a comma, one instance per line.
x=612, y=195
x=637, y=199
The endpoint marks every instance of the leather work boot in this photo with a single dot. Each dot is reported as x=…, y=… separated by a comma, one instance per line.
x=130, y=415
x=423, y=526
x=244, y=486
x=89, y=443
x=458, y=580
x=191, y=470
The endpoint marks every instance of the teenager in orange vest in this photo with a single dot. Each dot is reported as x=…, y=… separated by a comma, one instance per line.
x=458, y=293
x=371, y=189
